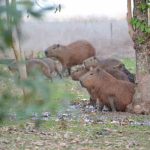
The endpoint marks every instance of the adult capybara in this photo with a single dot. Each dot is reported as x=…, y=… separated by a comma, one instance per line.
x=120, y=75
x=93, y=62
x=130, y=75
x=54, y=66
x=72, y=54
x=141, y=99
x=113, y=71
x=37, y=65
x=33, y=66
x=115, y=94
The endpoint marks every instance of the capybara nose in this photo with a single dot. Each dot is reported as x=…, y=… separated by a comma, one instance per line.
x=46, y=52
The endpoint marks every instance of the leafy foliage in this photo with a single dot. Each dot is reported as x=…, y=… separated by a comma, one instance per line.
x=11, y=97
x=142, y=25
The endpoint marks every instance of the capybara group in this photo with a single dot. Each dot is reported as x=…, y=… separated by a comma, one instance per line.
x=72, y=54
x=115, y=94
x=111, y=70
x=93, y=62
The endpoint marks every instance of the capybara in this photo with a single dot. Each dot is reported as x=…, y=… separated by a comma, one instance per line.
x=93, y=62
x=115, y=94
x=141, y=99
x=33, y=65
x=72, y=54
x=130, y=75
x=113, y=71
x=75, y=75
x=54, y=66
x=104, y=63
x=120, y=75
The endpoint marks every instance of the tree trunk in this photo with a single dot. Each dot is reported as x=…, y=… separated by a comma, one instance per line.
x=142, y=49
x=141, y=100
x=19, y=54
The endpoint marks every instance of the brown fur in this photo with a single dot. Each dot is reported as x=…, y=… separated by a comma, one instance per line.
x=38, y=65
x=115, y=94
x=114, y=72
x=72, y=54
x=117, y=74
x=104, y=63
x=93, y=62
x=75, y=75
x=55, y=67
x=33, y=65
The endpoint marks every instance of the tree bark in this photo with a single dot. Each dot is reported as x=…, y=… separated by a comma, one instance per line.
x=19, y=54
x=129, y=17
x=142, y=49
x=141, y=100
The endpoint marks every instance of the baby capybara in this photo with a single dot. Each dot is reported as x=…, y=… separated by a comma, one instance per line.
x=115, y=94
x=72, y=54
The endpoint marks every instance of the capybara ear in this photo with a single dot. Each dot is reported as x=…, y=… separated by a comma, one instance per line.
x=119, y=66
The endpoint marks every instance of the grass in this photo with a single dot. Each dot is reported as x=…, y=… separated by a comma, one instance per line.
x=77, y=134
x=130, y=64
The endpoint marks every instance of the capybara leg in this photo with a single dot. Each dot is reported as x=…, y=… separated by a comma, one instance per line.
x=69, y=71
x=100, y=105
x=60, y=75
x=111, y=102
x=92, y=102
x=64, y=71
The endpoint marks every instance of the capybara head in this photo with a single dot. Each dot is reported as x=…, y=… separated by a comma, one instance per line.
x=91, y=62
x=54, y=50
x=90, y=78
x=118, y=74
x=78, y=73
x=130, y=75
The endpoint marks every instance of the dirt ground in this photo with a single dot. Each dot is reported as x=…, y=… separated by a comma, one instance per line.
x=80, y=127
